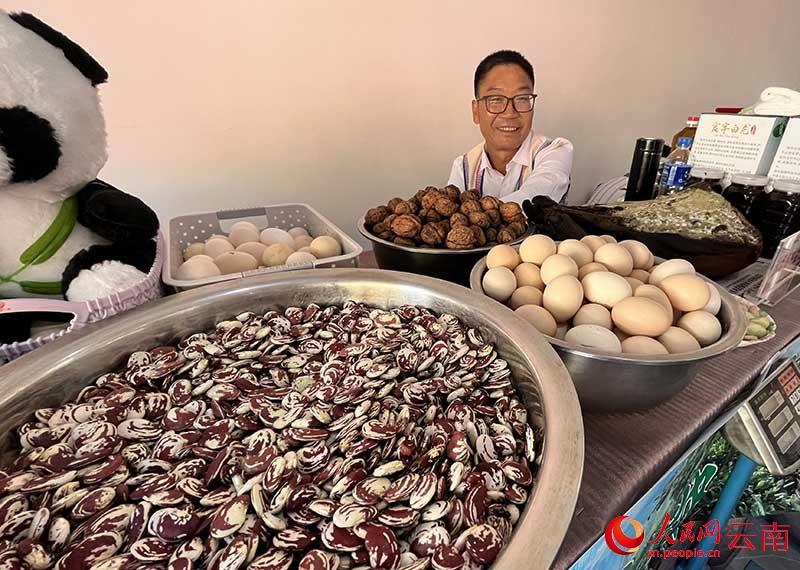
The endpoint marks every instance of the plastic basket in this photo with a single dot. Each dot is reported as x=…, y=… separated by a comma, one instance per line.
x=188, y=229
x=85, y=311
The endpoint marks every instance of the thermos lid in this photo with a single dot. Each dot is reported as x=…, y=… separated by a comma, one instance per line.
x=649, y=145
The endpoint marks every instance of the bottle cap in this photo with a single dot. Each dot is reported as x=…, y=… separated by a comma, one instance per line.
x=749, y=179
x=707, y=173
x=693, y=119
x=783, y=185
x=684, y=142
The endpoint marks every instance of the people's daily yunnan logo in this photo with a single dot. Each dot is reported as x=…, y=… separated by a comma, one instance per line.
x=619, y=541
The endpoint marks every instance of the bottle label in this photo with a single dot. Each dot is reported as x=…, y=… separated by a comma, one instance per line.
x=678, y=175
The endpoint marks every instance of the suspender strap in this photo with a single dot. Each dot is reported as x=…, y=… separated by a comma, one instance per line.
x=471, y=163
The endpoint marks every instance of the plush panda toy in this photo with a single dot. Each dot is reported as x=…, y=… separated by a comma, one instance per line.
x=63, y=232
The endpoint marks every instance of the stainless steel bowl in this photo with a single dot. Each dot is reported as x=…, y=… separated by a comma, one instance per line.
x=55, y=373
x=448, y=264
x=611, y=382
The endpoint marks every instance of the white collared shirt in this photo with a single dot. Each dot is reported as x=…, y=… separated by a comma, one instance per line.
x=550, y=175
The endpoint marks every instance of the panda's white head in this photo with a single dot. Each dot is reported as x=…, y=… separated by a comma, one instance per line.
x=52, y=133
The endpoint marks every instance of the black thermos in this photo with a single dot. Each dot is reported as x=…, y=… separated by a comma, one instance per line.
x=644, y=167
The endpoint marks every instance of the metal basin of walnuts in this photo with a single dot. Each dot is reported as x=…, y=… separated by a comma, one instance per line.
x=57, y=372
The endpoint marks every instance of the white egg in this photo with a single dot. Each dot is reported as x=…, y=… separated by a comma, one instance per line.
x=686, y=292
x=216, y=246
x=243, y=234
x=634, y=283
x=254, y=248
x=590, y=268
x=197, y=268
x=593, y=314
x=579, y=251
x=539, y=317
x=499, y=283
x=203, y=256
x=529, y=274
x=657, y=295
x=608, y=239
x=271, y=236
x=616, y=258
x=641, y=275
x=642, y=258
x=537, y=248
x=245, y=224
x=701, y=325
x=325, y=246
x=525, y=295
x=643, y=345
x=594, y=242
x=193, y=249
x=678, y=341
x=302, y=241
x=298, y=231
x=306, y=249
x=670, y=267
x=593, y=336
x=276, y=254
x=714, y=299
x=563, y=296
x=502, y=256
x=605, y=288
x=235, y=262
x=556, y=266
x=299, y=258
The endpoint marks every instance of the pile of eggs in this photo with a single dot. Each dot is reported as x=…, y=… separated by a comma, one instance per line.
x=605, y=295
x=246, y=248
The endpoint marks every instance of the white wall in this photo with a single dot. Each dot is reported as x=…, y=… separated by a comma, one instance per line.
x=347, y=103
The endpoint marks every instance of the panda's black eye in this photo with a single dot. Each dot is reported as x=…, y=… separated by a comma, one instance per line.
x=29, y=142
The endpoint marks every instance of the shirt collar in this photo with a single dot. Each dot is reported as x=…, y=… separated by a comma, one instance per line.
x=522, y=157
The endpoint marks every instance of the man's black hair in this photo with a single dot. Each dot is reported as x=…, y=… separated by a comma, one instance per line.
x=502, y=57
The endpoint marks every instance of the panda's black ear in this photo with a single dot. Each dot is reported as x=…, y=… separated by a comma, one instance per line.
x=76, y=55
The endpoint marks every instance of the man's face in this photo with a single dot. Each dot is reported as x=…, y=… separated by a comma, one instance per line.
x=506, y=131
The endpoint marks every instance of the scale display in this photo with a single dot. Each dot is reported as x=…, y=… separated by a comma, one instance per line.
x=772, y=418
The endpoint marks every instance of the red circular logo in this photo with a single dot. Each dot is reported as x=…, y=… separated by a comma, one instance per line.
x=618, y=541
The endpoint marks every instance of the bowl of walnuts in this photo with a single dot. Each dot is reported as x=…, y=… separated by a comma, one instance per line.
x=441, y=232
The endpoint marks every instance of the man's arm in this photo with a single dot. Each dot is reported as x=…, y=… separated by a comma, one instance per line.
x=550, y=176
x=457, y=173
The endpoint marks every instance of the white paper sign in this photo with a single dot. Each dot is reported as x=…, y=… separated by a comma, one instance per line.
x=787, y=159
x=736, y=143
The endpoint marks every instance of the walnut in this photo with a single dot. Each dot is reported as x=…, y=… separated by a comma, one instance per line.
x=393, y=203
x=491, y=243
x=494, y=217
x=459, y=219
x=414, y=203
x=406, y=226
x=405, y=242
x=445, y=206
x=433, y=234
x=421, y=193
x=451, y=192
x=479, y=219
x=480, y=237
x=389, y=219
x=429, y=215
x=470, y=206
x=445, y=225
x=490, y=203
x=430, y=198
x=387, y=235
x=470, y=195
x=505, y=236
x=402, y=207
x=518, y=229
x=491, y=234
x=380, y=227
x=460, y=237
x=375, y=215
x=518, y=219
x=509, y=211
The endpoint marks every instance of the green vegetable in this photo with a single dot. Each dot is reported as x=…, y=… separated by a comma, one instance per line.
x=55, y=235
x=761, y=321
x=756, y=330
x=41, y=287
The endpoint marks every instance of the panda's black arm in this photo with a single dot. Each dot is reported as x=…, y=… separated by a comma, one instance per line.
x=115, y=215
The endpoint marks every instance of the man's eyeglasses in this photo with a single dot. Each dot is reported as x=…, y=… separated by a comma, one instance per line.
x=496, y=104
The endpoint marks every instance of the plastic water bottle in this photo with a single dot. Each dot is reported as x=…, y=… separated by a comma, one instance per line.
x=676, y=171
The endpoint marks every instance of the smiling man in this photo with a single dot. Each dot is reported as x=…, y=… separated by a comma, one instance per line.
x=512, y=163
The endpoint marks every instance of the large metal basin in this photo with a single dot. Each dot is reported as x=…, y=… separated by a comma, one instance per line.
x=610, y=382
x=56, y=372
